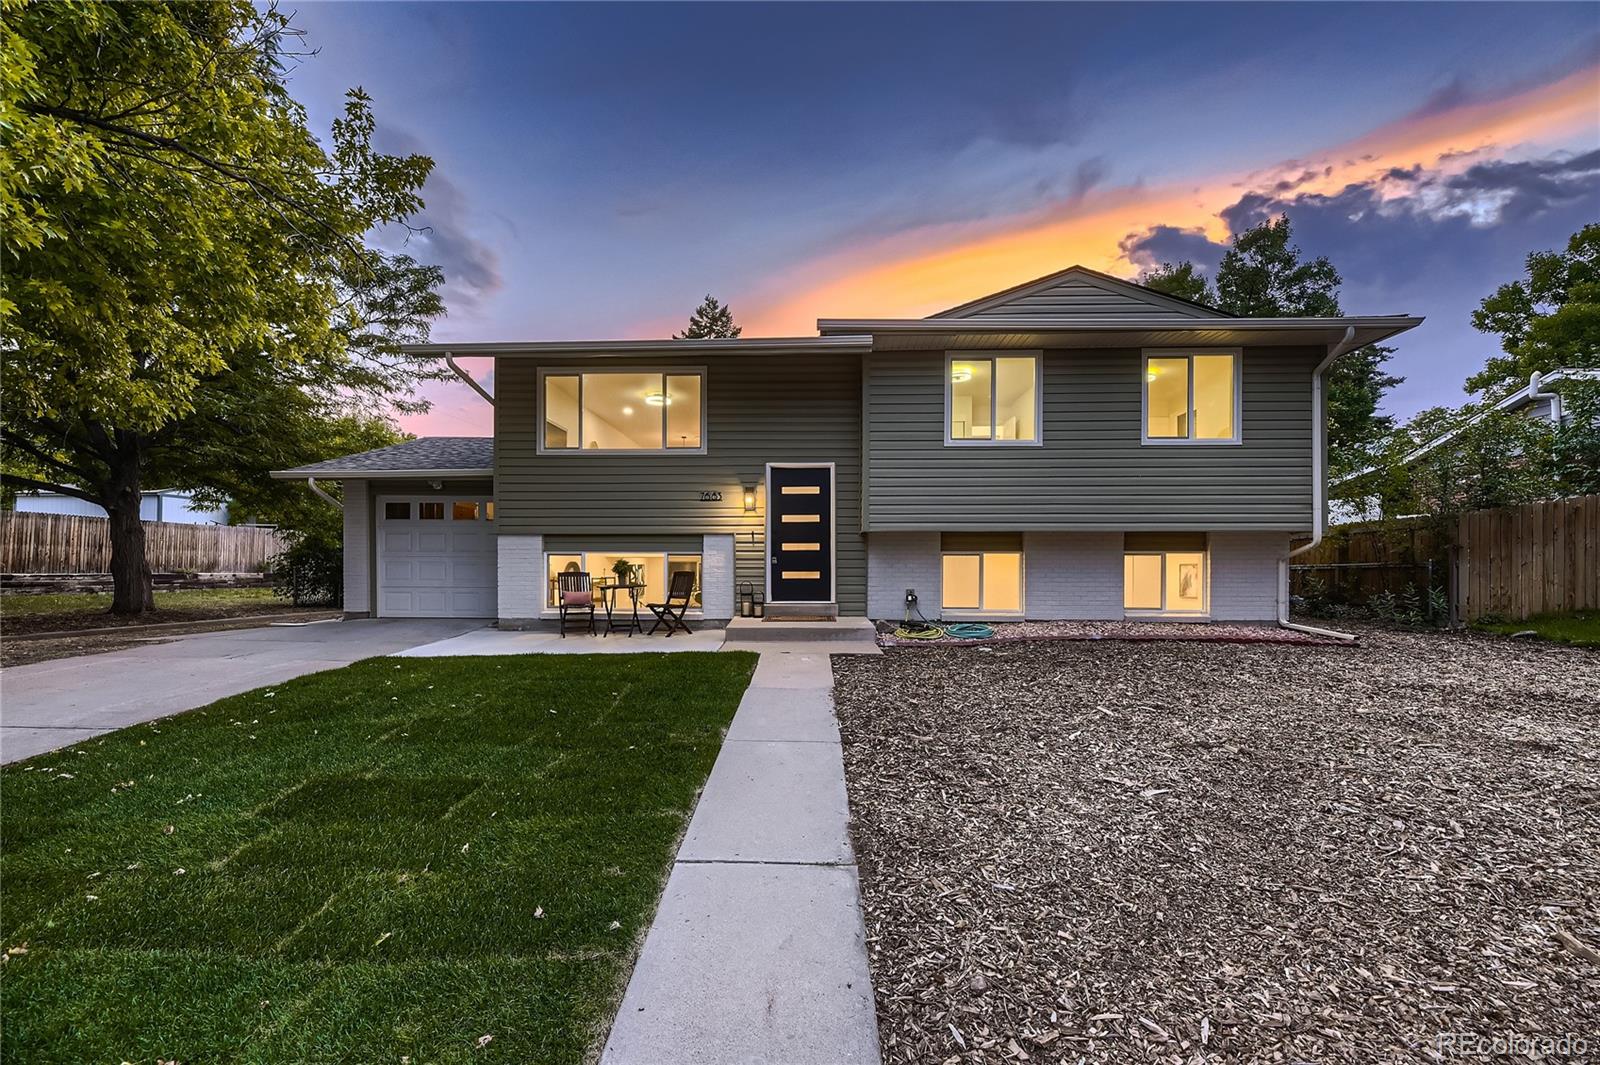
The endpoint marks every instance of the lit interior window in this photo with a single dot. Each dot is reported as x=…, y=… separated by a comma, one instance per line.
x=1172, y=582
x=464, y=510
x=1191, y=397
x=651, y=569
x=623, y=410
x=994, y=398
x=987, y=580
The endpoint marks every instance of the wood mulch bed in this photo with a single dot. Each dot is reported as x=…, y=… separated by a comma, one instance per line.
x=1210, y=852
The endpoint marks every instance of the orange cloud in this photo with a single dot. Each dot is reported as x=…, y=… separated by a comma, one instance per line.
x=927, y=269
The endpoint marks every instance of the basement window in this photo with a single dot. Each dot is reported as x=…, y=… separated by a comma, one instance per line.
x=981, y=573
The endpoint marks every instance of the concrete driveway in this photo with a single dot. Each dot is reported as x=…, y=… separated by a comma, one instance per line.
x=51, y=704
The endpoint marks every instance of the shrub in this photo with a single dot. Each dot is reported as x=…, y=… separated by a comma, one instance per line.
x=310, y=572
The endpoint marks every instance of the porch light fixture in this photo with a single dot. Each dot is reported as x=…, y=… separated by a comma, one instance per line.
x=749, y=500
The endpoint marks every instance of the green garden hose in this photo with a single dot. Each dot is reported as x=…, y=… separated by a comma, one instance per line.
x=974, y=630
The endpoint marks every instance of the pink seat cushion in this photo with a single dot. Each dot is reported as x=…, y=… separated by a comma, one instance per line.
x=577, y=598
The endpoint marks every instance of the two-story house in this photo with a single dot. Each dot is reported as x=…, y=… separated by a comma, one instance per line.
x=1075, y=447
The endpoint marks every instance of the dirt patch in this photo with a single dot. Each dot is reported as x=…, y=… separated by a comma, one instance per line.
x=1209, y=852
x=26, y=652
x=74, y=620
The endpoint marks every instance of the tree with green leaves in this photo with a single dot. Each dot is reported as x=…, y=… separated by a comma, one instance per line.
x=1182, y=279
x=1263, y=275
x=1547, y=320
x=711, y=320
x=187, y=291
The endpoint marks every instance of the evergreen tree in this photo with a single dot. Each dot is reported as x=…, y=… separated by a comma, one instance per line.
x=710, y=321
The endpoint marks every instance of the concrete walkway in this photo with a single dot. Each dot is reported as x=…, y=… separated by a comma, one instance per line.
x=52, y=704
x=758, y=953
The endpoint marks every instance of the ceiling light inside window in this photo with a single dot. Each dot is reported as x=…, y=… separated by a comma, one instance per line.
x=960, y=374
x=627, y=410
x=657, y=399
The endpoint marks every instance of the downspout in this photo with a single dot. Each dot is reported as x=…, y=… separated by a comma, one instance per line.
x=316, y=490
x=1319, y=502
x=1535, y=379
x=450, y=361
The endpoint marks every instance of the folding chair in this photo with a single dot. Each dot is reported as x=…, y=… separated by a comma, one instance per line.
x=671, y=612
x=575, y=597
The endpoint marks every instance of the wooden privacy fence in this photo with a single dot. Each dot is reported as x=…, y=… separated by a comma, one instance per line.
x=1541, y=558
x=73, y=543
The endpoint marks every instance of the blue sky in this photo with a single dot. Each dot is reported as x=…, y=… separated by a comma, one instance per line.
x=602, y=167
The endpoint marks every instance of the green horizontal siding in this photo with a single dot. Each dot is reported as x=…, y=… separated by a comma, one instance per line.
x=759, y=409
x=1091, y=472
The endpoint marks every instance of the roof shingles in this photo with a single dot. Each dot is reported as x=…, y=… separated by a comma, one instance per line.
x=428, y=454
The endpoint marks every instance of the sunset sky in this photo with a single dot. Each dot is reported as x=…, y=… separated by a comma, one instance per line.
x=601, y=168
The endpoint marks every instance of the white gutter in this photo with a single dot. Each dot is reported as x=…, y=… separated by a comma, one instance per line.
x=1319, y=499
x=316, y=490
x=465, y=376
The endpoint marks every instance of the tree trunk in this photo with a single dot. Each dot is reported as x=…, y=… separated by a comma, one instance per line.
x=132, y=590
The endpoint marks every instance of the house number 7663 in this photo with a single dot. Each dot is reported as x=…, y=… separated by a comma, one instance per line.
x=710, y=497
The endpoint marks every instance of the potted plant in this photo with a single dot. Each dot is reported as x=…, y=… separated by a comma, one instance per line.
x=623, y=569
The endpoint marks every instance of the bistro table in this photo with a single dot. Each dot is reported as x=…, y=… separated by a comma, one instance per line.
x=608, y=592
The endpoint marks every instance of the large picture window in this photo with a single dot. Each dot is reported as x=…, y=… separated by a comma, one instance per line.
x=623, y=410
x=652, y=569
x=1191, y=397
x=992, y=399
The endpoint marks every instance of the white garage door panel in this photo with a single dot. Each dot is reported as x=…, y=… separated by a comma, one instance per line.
x=435, y=568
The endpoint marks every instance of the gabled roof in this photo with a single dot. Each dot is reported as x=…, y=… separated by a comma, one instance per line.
x=428, y=456
x=1079, y=291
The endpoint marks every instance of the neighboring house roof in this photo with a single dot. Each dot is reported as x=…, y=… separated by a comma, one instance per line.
x=428, y=456
x=1530, y=395
x=1079, y=292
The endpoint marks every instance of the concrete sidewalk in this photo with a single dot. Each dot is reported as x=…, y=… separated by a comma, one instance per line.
x=52, y=704
x=758, y=953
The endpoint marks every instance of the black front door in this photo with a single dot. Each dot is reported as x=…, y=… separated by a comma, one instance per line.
x=800, y=533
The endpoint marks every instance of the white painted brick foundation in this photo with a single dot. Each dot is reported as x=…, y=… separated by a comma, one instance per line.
x=357, y=550
x=716, y=577
x=1244, y=575
x=897, y=561
x=1075, y=575
x=521, y=579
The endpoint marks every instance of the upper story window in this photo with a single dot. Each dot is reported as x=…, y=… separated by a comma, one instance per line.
x=622, y=411
x=992, y=399
x=1191, y=397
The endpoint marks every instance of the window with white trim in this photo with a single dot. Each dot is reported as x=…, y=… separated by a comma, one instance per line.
x=652, y=570
x=1191, y=397
x=622, y=411
x=980, y=573
x=991, y=399
x=1165, y=574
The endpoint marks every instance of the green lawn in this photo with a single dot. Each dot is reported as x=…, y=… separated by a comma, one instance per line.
x=1581, y=629
x=390, y=860
x=185, y=598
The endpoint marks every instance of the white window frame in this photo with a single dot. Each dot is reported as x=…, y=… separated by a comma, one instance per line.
x=548, y=611
x=981, y=611
x=580, y=371
x=1189, y=353
x=952, y=357
x=1162, y=611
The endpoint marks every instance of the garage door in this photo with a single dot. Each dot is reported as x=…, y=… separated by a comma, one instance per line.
x=436, y=557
